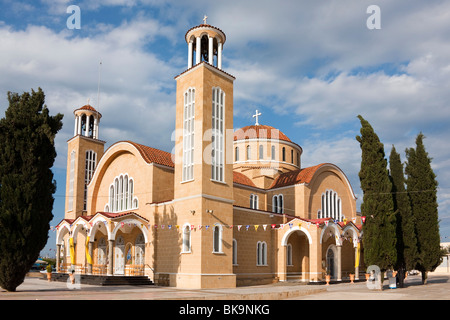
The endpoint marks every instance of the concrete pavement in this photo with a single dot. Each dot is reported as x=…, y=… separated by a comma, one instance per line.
x=438, y=288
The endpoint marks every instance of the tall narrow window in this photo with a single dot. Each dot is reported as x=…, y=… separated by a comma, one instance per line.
x=234, y=252
x=292, y=156
x=217, y=239
x=121, y=195
x=91, y=160
x=186, y=238
x=261, y=152
x=331, y=205
x=217, y=139
x=284, y=153
x=71, y=179
x=261, y=253
x=249, y=153
x=188, y=135
x=236, y=154
x=254, y=201
x=273, y=152
x=278, y=204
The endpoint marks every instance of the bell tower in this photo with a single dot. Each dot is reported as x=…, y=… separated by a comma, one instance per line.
x=203, y=188
x=83, y=153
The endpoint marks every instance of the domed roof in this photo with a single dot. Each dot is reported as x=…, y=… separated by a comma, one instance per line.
x=261, y=132
x=88, y=107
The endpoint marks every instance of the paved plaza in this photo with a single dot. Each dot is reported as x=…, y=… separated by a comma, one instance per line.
x=438, y=288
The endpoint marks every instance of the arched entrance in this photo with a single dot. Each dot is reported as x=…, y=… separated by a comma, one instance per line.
x=297, y=243
x=331, y=261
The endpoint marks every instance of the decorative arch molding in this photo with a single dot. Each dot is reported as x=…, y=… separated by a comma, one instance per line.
x=352, y=229
x=63, y=229
x=140, y=224
x=336, y=232
x=292, y=230
x=336, y=170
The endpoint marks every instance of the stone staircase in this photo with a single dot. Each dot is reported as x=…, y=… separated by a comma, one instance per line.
x=103, y=280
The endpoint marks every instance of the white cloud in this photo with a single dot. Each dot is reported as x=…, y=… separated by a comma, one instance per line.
x=136, y=86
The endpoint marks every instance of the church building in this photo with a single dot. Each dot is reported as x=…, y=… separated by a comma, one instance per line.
x=227, y=208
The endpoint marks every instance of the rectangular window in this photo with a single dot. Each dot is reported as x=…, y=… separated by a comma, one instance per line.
x=217, y=139
x=188, y=135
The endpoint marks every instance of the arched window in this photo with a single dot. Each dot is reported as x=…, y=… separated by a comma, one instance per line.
x=261, y=152
x=234, y=252
x=218, y=132
x=254, y=201
x=139, y=256
x=249, y=153
x=186, y=238
x=236, y=154
x=292, y=156
x=278, y=203
x=90, y=163
x=331, y=205
x=261, y=253
x=71, y=180
x=273, y=152
x=217, y=238
x=121, y=195
x=188, y=135
x=283, y=153
x=289, y=254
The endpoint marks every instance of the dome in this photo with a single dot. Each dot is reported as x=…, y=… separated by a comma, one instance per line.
x=259, y=132
x=88, y=107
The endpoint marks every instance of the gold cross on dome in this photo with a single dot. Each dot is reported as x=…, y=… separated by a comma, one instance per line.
x=204, y=19
x=256, y=116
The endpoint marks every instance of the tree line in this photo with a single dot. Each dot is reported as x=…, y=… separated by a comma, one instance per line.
x=401, y=230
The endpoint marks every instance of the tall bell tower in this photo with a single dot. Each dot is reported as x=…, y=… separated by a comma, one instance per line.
x=203, y=188
x=83, y=153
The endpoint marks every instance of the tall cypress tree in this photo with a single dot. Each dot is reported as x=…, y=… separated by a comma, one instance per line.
x=379, y=228
x=422, y=190
x=27, y=154
x=406, y=236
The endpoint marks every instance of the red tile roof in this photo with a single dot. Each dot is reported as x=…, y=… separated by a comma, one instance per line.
x=294, y=177
x=259, y=131
x=90, y=108
x=241, y=178
x=152, y=155
x=112, y=215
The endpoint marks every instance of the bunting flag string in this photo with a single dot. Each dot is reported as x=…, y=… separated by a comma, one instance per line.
x=248, y=227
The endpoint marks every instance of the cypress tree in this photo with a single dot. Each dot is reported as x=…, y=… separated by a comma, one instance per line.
x=406, y=236
x=27, y=154
x=422, y=190
x=379, y=228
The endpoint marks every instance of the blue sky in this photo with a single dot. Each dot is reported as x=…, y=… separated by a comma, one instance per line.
x=310, y=67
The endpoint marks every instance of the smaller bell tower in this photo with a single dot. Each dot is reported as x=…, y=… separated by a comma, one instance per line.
x=83, y=153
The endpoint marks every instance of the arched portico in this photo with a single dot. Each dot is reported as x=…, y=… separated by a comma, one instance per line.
x=93, y=246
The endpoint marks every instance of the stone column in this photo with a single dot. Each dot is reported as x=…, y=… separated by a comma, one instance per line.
x=89, y=266
x=198, y=50
x=339, y=264
x=58, y=254
x=110, y=257
x=88, y=119
x=219, y=56
x=356, y=264
x=210, y=51
x=190, y=54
